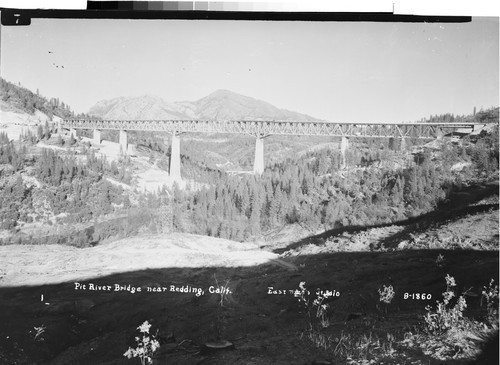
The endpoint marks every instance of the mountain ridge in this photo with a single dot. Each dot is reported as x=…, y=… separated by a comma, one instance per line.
x=220, y=104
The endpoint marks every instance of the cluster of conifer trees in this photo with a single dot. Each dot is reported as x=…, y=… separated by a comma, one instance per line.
x=310, y=192
x=78, y=189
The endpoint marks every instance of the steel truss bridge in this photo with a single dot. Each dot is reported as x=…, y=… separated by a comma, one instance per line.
x=261, y=129
x=265, y=128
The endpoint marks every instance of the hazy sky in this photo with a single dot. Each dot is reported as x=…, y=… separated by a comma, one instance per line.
x=348, y=72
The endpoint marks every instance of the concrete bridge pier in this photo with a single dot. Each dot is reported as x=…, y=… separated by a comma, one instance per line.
x=344, y=145
x=175, y=157
x=258, y=164
x=478, y=127
x=72, y=132
x=123, y=142
x=97, y=136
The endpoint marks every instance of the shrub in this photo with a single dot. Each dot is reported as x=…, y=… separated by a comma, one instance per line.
x=387, y=294
x=451, y=335
x=317, y=305
x=440, y=260
x=146, y=346
x=446, y=316
x=490, y=296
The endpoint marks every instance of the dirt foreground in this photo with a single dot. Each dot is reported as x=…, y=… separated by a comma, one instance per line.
x=60, y=305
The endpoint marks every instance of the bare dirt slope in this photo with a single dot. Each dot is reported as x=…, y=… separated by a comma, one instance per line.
x=50, y=264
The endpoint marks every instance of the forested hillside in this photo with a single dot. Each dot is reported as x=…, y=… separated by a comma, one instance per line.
x=311, y=191
x=27, y=101
x=82, y=198
x=56, y=189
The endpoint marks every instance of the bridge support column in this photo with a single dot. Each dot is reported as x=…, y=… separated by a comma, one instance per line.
x=258, y=165
x=344, y=145
x=72, y=132
x=478, y=127
x=175, y=158
x=59, y=127
x=97, y=136
x=123, y=141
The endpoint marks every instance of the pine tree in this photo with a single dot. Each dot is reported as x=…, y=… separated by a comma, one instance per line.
x=46, y=131
x=275, y=208
x=245, y=201
x=39, y=132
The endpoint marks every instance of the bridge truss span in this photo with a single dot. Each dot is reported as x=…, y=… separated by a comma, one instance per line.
x=265, y=128
x=261, y=129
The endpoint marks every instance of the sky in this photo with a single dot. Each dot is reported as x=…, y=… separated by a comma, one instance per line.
x=335, y=71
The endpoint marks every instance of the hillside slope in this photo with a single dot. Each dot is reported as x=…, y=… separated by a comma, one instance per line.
x=225, y=104
x=141, y=107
